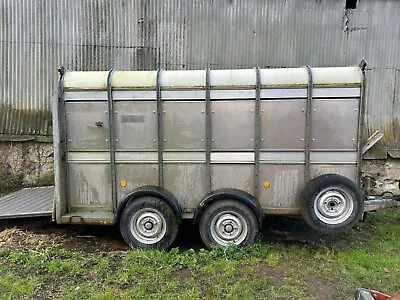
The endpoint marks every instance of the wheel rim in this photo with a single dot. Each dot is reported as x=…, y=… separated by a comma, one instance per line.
x=148, y=226
x=228, y=227
x=333, y=205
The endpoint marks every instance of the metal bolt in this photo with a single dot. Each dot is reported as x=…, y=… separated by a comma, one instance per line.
x=117, y=140
x=302, y=139
x=251, y=111
x=202, y=140
x=154, y=140
x=115, y=112
x=154, y=111
x=251, y=139
x=353, y=140
x=164, y=111
x=165, y=140
x=262, y=110
x=202, y=111
x=262, y=140
x=303, y=110
x=67, y=112
x=313, y=139
x=105, y=112
x=356, y=109
x=69, y=140
x=314, y=109
x=106, y=140
x=213, y=140
x=212, y=111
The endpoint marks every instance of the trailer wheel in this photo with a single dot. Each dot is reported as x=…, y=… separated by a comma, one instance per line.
x=332, y=203
x=228, y=222
x=148, y=223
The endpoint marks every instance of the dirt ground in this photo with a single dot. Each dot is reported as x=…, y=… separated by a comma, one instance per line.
x=28, y=233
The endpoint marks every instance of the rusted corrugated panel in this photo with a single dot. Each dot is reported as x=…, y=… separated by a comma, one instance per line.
x=36, y=36
x=381, y=95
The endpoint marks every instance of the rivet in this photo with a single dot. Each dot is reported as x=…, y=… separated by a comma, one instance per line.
x=165, y=140
x=213, y=140
x=252, y=111
x=313, y=139
x=262, y=110
x=303, y=110
x=302, y=139
x=202, y=111
x=353, y=140
x=117, y=140
x=115, y=112
x=106, y=140
x=212, y=111
x=164, y=111
x=67, y=113
x=69, y=140
x=251, y=139
x=356, y=109
x=262, y=140
x=314, y=109
x=202, y=140
x=154, y=111
x=105, y=112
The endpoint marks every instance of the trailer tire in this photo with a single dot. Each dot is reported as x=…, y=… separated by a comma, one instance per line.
x=227, y=222
x=331, y=203
x=148, y=223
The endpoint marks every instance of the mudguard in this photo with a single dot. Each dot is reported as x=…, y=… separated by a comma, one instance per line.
x=233, y=194
x=154, y=191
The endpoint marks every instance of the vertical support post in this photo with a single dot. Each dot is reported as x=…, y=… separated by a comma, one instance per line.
x=160, y=131
x=111, y=140
x=308, y=125
x=257, y=133
x=63, y=141
x=208, y=131
x=361, y=121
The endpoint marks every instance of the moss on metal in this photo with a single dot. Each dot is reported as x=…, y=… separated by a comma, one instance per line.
x=25, y=121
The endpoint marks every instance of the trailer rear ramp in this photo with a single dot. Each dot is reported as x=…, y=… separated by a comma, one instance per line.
x=28, y=202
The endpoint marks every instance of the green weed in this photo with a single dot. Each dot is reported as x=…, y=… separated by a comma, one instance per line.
x=367, y=256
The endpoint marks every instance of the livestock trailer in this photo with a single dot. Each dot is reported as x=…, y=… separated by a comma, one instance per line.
x=146, y=149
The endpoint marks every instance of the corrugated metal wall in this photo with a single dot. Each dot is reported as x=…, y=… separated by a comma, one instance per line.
x=37, y=36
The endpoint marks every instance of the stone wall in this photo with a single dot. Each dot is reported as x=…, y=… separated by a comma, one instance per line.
x=31, y=164
x=26, y=164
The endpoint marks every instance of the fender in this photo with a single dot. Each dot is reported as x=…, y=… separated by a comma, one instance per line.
x=233, y=194
x=154, y=191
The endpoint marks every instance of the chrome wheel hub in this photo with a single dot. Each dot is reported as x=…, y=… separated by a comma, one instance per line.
x=333, y=205
x=228, y=227
x=148, y=226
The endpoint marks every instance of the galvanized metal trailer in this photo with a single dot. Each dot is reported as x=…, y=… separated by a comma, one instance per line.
x=222, y=147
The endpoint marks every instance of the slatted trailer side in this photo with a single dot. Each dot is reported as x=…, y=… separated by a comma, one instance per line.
x=145, y=149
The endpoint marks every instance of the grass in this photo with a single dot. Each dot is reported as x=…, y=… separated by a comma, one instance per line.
x=328, y=268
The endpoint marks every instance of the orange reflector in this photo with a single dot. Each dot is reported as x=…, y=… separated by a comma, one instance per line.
x=267, y=184
x=122, y=183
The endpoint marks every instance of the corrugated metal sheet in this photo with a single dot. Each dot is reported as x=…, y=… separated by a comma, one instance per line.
x=37, y=36
x=28, y=202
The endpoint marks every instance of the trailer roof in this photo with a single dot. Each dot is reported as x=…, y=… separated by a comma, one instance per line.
x=219, y=79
